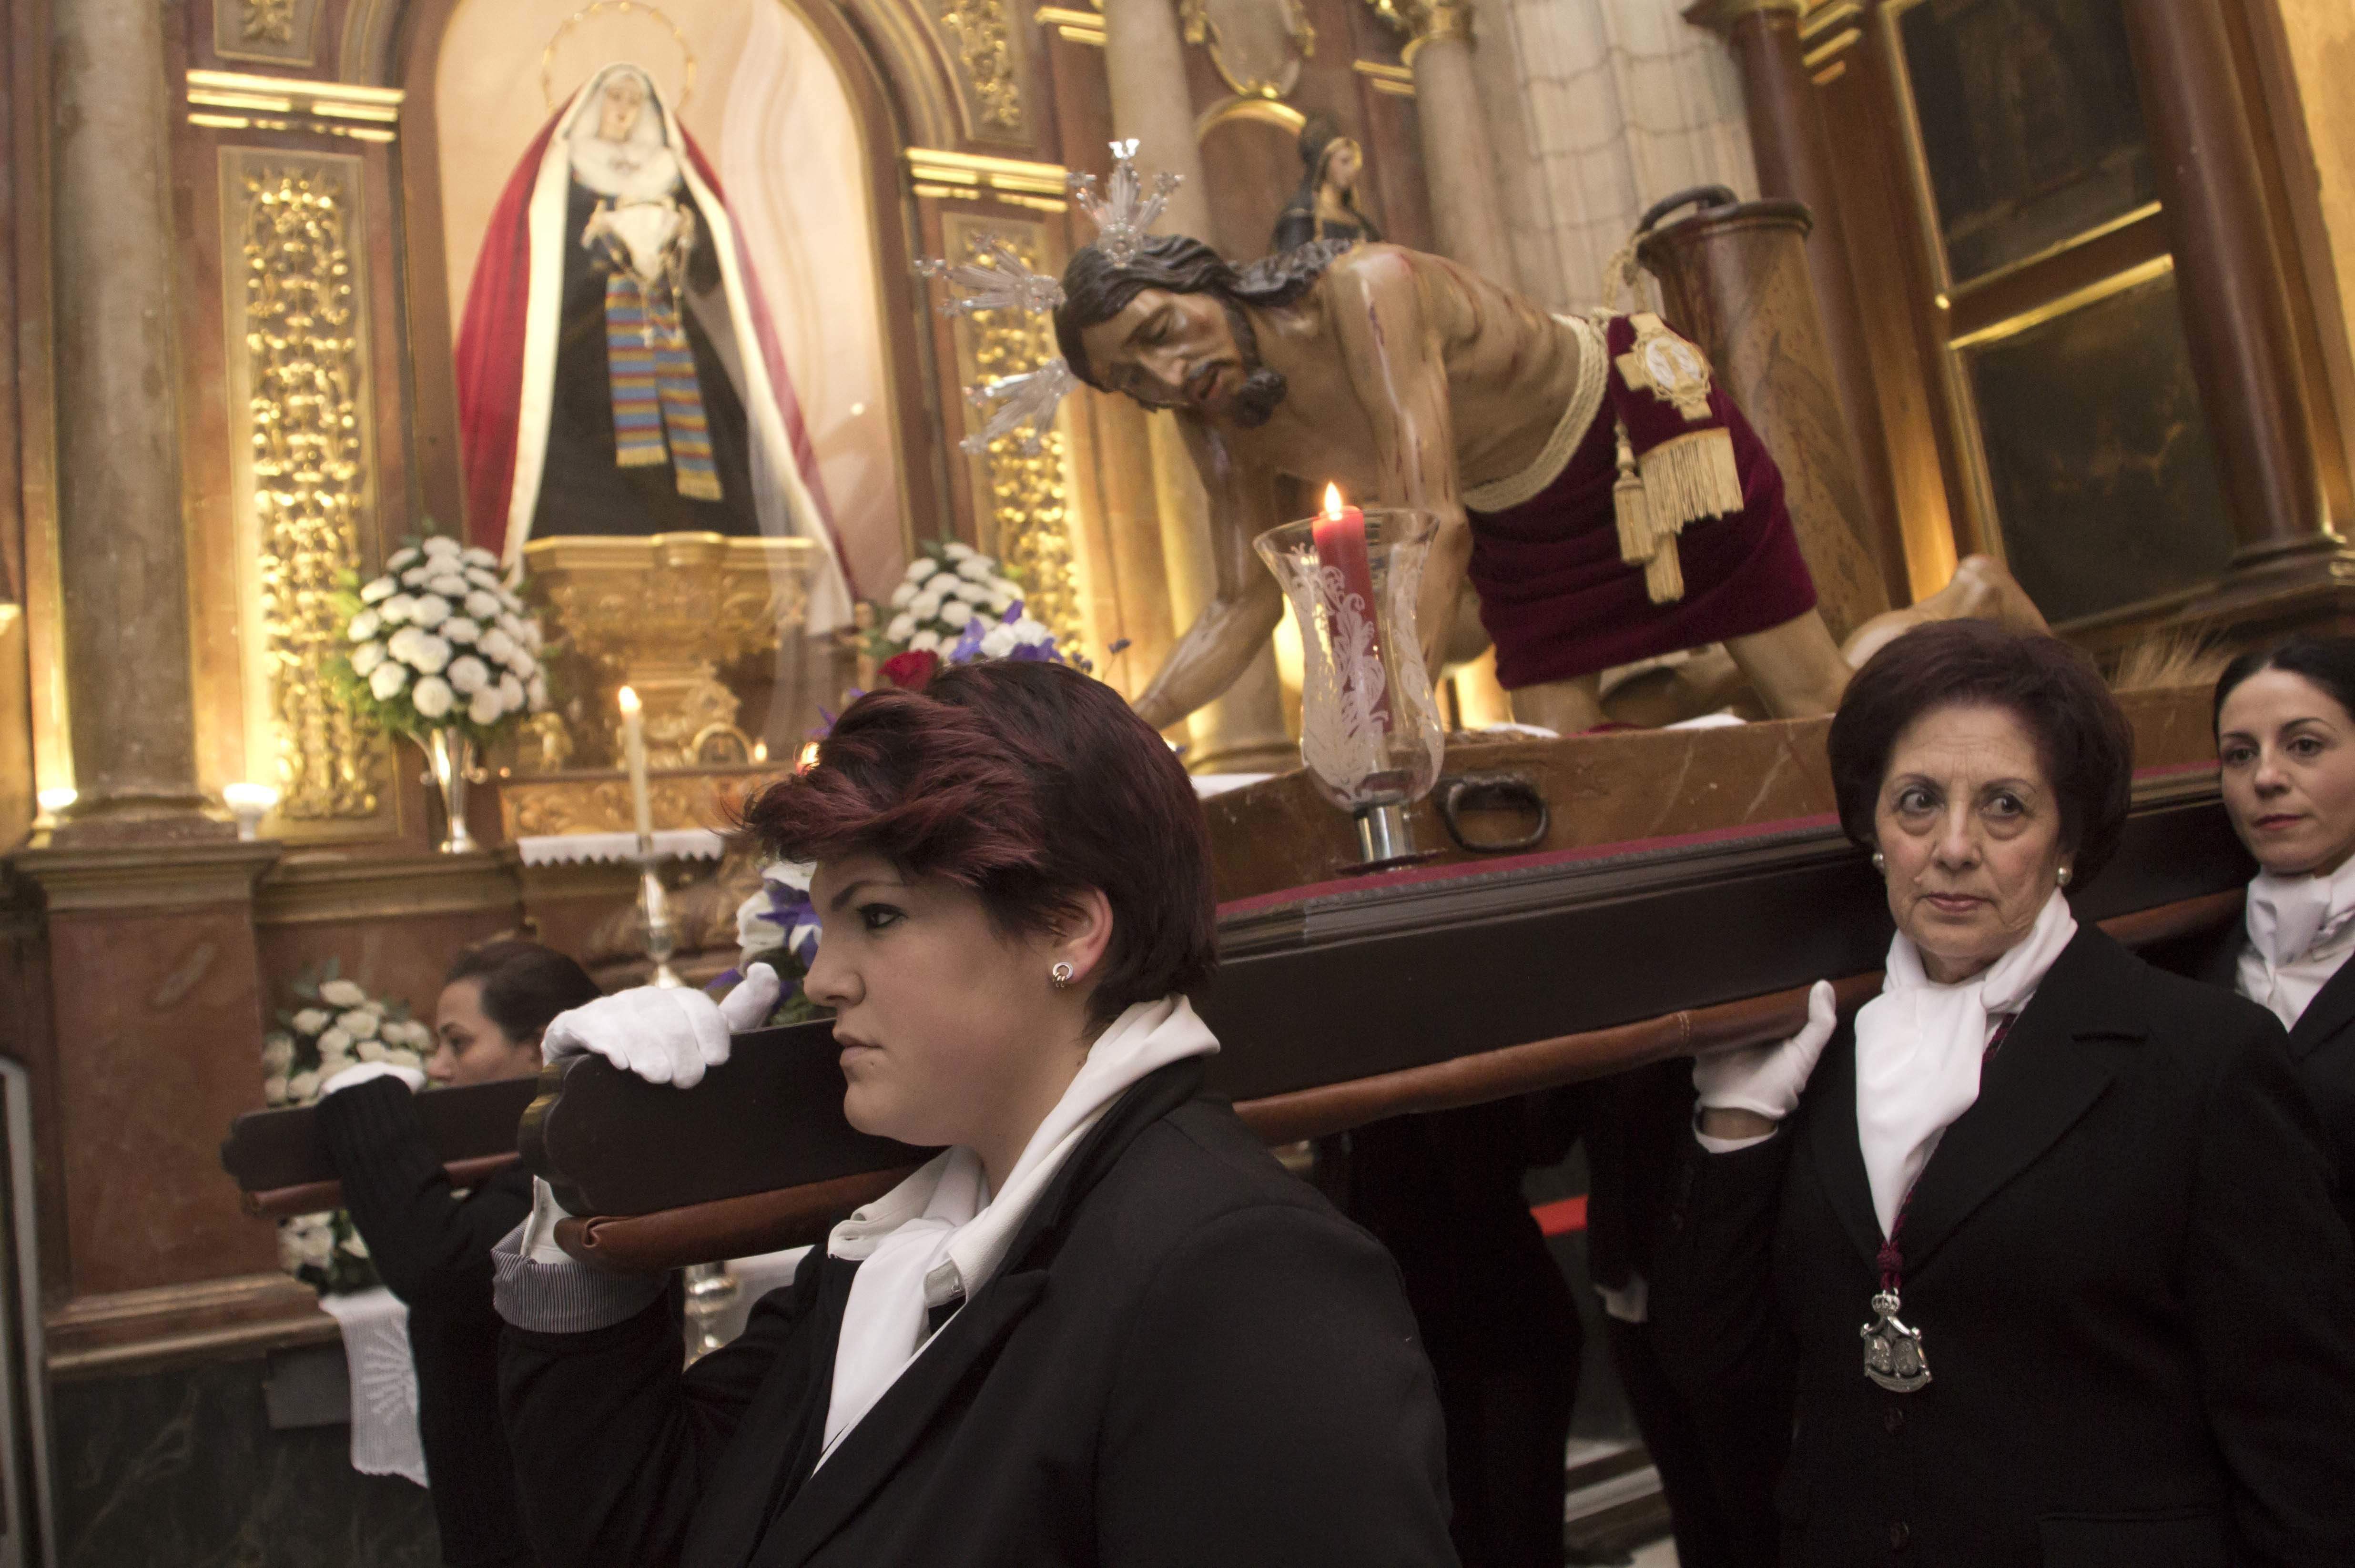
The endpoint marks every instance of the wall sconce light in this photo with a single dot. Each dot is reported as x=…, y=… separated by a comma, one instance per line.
x=248, y=802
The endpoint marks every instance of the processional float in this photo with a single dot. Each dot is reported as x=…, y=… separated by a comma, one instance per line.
x=1575, y=908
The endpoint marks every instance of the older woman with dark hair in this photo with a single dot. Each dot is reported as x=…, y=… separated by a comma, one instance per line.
x=2048, y=1234
x=431, y=1245
x=1104, y=1326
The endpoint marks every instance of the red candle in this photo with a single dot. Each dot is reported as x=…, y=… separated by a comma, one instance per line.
x=1340, y=533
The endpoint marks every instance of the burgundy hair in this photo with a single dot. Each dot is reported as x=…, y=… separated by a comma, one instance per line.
x=1028, y=782
x=2085, y=741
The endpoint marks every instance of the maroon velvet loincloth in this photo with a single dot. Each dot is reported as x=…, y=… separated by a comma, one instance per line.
x=1558, y=602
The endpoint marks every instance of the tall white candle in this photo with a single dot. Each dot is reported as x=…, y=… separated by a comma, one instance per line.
x=633, y=743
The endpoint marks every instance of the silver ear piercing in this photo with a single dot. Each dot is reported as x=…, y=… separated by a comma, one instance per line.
x=1880, y=861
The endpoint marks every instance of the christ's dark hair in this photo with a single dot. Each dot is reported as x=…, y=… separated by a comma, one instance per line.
x=1096, y=288
x=2326, y=663
x=2049, y=688
x=525, y=985
x=1028, y=782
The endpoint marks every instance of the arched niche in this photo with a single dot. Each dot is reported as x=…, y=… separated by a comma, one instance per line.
x=805, y=128
x=1254, y=142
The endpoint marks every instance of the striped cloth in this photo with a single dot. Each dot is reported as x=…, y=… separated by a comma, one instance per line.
x=652, y=371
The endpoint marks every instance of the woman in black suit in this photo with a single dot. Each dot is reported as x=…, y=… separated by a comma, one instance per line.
x=2285, y=752
x=1104, y=1327
x=431, y=1245
x=2048, y=1233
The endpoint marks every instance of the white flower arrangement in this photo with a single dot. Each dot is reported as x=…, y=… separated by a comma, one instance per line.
x=338, y=1026
x=438, y=642
x=958, y=605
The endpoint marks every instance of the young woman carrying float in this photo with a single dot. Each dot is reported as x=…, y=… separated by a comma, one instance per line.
x=1104, y=1327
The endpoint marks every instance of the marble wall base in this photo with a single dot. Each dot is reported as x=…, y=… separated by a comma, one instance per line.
x=182, y=1466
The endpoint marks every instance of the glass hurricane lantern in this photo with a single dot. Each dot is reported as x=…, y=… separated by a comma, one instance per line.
x=1370, y=726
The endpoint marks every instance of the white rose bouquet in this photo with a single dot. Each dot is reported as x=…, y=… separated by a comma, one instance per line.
x=337, y=1025
x=439, y=643
x=955, y=605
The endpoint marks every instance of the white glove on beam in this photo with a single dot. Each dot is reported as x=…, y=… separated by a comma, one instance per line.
x=665, y=1036
x=1766, y=1079
x=366, y=1071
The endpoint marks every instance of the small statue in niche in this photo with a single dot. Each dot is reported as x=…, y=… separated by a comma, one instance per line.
x=1325, y=205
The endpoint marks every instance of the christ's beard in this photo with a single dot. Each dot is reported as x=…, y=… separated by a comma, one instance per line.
x=1256, y=399
x=1263, y=389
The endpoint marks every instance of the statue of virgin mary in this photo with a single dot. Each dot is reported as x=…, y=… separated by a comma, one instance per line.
x=618, y=372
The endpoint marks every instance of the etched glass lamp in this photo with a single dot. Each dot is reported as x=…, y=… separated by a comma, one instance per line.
x=1370, y=725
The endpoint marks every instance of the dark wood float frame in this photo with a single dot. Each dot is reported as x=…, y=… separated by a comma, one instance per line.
x=1337, y=1005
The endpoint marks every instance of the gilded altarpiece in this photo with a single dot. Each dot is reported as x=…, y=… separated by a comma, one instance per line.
x=1022, y=499
x=295, y=285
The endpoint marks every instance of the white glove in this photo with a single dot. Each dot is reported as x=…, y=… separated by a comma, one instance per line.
x=663, y=1035
x=1767, y=1079
x=754, y=997
x=369, y=1071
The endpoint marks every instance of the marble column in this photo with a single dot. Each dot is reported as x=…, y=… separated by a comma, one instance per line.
x=1794, y=154
x=1459, y=160
x=2235, y=304
x=1145, y=60
x=122, y=544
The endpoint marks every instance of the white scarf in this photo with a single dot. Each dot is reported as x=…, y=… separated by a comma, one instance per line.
x=2300, y=931
x=1919, y=1046
x=940, y=1236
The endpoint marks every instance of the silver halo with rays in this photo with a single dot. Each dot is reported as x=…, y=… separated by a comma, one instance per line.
x=999, y=279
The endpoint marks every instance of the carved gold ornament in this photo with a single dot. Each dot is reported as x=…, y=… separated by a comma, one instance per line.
x=985, y=36
x=1422, y=22
x=267, y=21
x=310, y=477
x=1256, y=45
x=1665, y=366
x=1029, y=504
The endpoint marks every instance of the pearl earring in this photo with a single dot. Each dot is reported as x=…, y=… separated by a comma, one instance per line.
x=1880, y=861
x=1061, y=976
x=2063, y=877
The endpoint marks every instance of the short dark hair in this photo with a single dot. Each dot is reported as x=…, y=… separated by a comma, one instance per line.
x=2328, y=663
x=2082, y=737
x=1096, y=288
x=1028, y=783
x=525, y=985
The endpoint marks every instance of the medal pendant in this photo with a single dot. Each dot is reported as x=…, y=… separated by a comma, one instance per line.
x=1892, y=1352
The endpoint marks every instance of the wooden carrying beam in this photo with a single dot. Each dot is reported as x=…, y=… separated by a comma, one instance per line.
x=740, y=1227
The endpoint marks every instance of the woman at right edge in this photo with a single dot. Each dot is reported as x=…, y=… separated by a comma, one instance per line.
x=2047, y=1236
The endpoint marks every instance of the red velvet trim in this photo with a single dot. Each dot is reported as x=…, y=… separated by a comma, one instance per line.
x=490, y=353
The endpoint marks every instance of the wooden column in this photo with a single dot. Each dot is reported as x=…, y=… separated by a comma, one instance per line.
x=1145, y=60
x=2236, y=310
x=1793, y=156
x=121, y=537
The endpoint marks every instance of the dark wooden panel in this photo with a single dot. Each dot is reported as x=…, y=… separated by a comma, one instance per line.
x=266, y=1151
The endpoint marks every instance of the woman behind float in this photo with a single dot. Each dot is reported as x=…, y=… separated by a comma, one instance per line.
x=2286, y=752
x=1104, y=1327
x=432, y=1246
x=2047, y=1234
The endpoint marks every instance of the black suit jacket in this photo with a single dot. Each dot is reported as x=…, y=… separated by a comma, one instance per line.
x=1187, y=1360
x=2137, y=1300
x=2322, y=1045
x=432, y=1248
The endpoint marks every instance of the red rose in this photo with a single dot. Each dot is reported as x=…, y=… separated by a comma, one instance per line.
x=910, y=671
